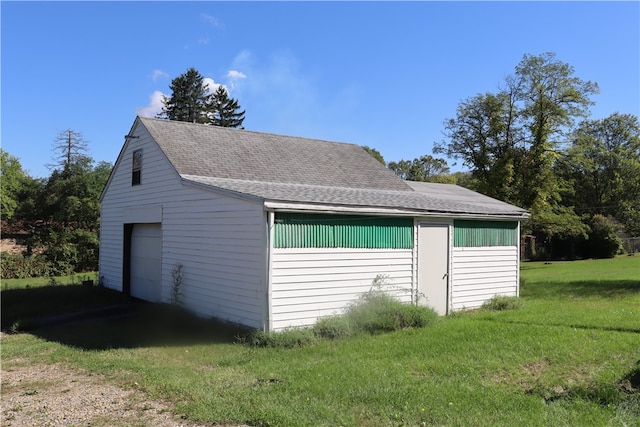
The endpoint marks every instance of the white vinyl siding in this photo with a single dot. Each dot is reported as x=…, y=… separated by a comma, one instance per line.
x=309, y=283
x=480, y=273
x=221, y=243
x=219, y=240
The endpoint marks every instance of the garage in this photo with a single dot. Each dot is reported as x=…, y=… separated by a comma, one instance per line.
x=146, y=262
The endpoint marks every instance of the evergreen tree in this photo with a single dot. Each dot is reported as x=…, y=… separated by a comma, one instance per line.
x=190, y=99
x=225, y=111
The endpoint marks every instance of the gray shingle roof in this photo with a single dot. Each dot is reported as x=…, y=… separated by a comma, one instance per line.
x=202, y=150
x=277, y=168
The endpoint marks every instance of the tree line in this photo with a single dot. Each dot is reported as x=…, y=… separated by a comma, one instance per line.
x=59, y=214
x=57, y=217
x=531, y=144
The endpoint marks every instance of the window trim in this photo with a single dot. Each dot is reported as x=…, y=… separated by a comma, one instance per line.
x=136, y=167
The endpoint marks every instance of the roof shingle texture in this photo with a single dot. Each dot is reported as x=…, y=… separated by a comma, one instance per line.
x=290, y=169
x=202, y=150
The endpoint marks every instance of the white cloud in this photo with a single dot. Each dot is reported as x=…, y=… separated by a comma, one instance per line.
x=236, y=75
x=154, y=107
x=213, y=86
x=158, y=75
x=211, y=20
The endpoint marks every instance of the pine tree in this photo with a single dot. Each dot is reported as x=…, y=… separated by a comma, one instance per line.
x=226, y=111
x=190, y=99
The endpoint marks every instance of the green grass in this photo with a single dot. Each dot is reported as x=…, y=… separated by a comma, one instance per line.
x=26, y=300
x=74, y=279
x=561, y=358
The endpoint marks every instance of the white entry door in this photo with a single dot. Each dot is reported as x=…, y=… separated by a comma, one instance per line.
x=146, y=262
x=433, y=266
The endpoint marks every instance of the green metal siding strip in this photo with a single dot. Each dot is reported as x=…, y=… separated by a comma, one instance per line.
x=342, y=231
x=484, y=233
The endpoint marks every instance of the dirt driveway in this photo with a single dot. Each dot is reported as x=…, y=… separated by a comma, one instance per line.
x=55, y=395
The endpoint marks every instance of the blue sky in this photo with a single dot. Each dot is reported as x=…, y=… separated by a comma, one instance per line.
x=382, y=74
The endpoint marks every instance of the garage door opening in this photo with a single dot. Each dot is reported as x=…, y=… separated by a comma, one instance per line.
x=143, y=261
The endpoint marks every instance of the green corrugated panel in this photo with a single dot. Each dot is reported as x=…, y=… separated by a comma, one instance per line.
x=484, y=233
x=342, y=231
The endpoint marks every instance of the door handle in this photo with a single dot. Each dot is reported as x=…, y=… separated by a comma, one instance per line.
x=445, y=276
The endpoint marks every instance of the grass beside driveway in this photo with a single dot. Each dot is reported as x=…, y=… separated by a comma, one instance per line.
x=569, y=356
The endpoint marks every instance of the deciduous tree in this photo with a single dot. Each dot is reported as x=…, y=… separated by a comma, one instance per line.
x=424, y=168
x=13, y=179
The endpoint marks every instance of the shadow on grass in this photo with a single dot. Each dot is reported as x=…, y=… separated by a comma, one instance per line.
x=26, y=304
x=583, y=289
x=93, y=318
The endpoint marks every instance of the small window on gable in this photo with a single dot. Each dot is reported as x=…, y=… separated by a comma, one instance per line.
x=136, y=170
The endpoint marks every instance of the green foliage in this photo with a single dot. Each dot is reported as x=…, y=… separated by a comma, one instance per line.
x=225, y=111
x=192, y=100
x=425, y=168
x=603, y=239
x=602, y=168
x=19, y=267
x=12, y=180
x=333, y=327
x=512, y=142
x=376, y=311
x=290, y=338
x=375, y=154
x=508, y=139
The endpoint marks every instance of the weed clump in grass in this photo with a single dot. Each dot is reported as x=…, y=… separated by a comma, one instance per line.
x=333, y=327
x=290, y=338
x=501, y=302
x=375, y=311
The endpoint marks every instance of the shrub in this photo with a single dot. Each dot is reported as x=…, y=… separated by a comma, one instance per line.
x=603, y=240
x=19, y=267
x=501, y=302
x=333, y=327
x=376, y=311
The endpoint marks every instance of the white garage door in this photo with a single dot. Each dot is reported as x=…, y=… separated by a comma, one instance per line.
x=146, y=262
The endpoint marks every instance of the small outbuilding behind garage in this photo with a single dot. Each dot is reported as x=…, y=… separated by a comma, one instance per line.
x=273, y=231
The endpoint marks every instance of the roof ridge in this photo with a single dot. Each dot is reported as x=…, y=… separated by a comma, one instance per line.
x=257, y=132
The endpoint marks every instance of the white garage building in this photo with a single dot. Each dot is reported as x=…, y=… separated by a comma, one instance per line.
x=275, y=231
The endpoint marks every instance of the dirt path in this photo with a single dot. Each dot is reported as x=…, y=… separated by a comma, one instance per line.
x=54, y=395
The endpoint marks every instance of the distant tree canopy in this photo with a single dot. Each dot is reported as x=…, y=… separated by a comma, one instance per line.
x=375, y=154
x=192, y=100
x=522, y=146
x=13, y=179
x=61, y=213
x=424, y=168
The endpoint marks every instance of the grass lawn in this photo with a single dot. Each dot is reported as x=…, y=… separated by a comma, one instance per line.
x=566, y=357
